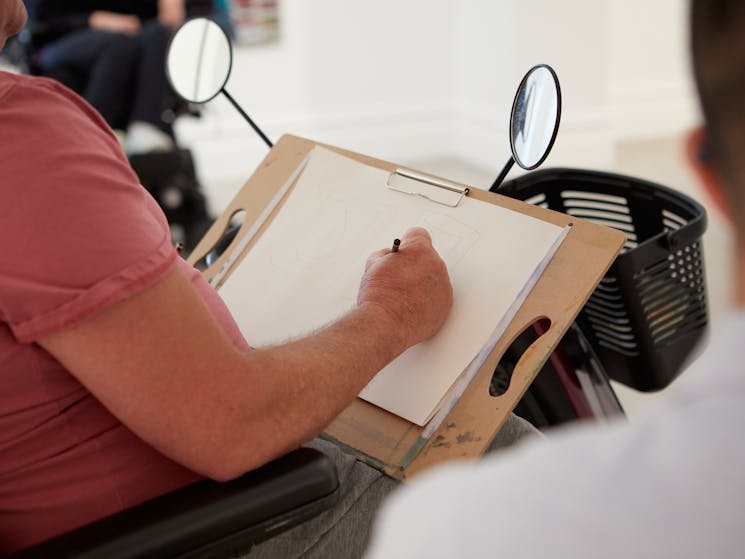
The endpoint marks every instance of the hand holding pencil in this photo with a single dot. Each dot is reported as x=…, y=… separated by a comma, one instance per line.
x=413, y=287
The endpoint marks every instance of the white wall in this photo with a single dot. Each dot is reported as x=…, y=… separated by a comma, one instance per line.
x=651, y=88
x=422, y=79
x=499, y=42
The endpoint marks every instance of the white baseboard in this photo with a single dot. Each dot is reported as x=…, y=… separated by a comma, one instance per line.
x=583, y=139
x=227, y=150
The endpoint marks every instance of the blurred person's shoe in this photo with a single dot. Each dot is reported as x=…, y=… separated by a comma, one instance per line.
x=143, y=137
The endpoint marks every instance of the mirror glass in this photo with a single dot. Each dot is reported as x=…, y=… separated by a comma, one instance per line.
x=535, y=116
x=199, y=60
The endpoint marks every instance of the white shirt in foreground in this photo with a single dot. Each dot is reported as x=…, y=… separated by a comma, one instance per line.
x=671, y=484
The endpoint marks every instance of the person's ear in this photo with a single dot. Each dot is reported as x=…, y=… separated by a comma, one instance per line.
x=700, y=158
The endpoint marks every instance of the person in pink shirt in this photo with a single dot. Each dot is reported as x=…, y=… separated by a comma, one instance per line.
x=123, y=375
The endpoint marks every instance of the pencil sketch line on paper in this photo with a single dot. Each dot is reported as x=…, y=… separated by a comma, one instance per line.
x=328, y=230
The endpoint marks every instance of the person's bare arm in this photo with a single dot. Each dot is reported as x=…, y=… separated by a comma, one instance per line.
x=171, y=13
x=112, y=21
x=162, y=364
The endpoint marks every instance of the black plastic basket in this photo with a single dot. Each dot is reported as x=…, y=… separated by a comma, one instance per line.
x=650, y=309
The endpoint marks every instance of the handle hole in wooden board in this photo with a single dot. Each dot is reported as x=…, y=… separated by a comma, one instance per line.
x=500, y=381
x=223, y=243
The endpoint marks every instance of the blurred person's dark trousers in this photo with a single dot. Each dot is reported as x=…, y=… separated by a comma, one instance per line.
x=122, y=76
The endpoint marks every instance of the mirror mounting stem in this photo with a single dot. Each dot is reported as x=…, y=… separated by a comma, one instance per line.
x=248, y=118
x=502, y=174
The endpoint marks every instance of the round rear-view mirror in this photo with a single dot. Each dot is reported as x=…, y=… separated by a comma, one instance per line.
x=199, y=60
x=535, y=117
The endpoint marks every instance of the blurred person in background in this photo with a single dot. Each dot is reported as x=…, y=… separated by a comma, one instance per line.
x=113, y=54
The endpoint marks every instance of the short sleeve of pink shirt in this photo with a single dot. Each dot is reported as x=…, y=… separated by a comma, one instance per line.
x=77, y=232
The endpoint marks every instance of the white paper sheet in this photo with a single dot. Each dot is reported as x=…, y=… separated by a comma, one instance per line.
x=305, y=270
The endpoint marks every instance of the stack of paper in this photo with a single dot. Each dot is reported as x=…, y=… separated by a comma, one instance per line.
x=304, y=271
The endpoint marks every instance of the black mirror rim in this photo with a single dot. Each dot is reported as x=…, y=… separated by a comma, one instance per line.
x=556, y=124
x=227, y=74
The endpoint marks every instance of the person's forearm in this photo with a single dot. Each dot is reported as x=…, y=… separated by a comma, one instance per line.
x=306, y=383
x=114, y=22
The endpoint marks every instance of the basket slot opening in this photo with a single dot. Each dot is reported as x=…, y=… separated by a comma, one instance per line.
x=693, y=321
x=652, y=272
x=608, y=216
x=594, y=205
x=651, y=283
x=664, y=301
x=670, y=327
x=612, y=308
x=671, y=225
x=619, y=321
x=665, y=296
x=673, y=217
x=614, y=342
x=608, y=288
x=652, y=279
x=604, y=314
x=621, y=351
x=606, y=327
x=666, y=311
x=685, y=324
x=654, y=267
x=688, y=315
x=610, y=298
x=585, y=195
x=536, y=200
x=661, y=338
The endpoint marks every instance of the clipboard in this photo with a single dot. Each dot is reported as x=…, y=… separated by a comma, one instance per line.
x=383, y=440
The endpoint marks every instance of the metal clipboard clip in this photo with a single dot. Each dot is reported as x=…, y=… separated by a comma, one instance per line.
x=405, y=181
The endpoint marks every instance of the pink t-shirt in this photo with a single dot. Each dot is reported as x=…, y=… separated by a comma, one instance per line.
x=77, y=233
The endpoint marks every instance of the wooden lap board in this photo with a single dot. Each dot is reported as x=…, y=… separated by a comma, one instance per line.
x=389, y=442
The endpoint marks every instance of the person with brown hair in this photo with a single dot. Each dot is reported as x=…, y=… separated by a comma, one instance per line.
x=671, y=484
